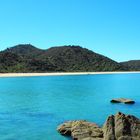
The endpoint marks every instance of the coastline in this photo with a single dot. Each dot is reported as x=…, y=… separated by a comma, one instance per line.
x=61, y=73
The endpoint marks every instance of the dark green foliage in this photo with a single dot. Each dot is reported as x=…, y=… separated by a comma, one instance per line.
x=133, y=65
x=11, y=62
x=75, y=58
x=36, y=65
x=27, y=58
x=26, y=50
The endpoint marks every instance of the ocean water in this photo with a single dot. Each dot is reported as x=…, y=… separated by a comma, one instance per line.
x=32, y=107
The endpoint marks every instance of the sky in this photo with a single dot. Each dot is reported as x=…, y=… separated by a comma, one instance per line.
x=108, y=27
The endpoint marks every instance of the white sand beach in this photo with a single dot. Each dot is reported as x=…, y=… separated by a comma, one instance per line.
x=60, y=73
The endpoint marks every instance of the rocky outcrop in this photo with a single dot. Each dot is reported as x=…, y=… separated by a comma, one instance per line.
x=108, y=129
x=81, y=130
x=118, y=127
x=122, y=100
x=122, y=127
x=65, y=128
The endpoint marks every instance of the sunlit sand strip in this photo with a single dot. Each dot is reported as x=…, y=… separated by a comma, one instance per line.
x=60, y=73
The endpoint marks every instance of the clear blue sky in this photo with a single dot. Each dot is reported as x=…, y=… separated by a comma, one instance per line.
x=109, y=27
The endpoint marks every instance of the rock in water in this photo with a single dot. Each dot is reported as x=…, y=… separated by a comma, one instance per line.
x=65, y=128
x=81, y=130
x=122, y=100
x=122, y=127
x=118, y=127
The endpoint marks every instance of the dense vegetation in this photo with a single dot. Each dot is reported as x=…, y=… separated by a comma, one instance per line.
x=27, y=58
x=133, y=65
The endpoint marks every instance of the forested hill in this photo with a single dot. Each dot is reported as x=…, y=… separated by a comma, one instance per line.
x=133, y=65
x=28, y=58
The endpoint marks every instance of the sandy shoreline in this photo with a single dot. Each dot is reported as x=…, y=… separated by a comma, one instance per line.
x=60, y=74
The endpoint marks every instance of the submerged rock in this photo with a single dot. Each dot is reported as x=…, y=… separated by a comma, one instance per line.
x=116, y=127
x=122, y=100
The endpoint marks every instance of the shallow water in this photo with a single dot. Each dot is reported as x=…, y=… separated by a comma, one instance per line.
x=32, y=107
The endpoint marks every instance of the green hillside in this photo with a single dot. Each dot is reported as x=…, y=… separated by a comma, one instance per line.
x=28, y=58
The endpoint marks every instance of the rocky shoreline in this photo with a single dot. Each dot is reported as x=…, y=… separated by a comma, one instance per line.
x=116, y=127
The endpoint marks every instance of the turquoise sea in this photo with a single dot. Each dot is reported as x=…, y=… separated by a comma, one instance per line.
x=32, y=107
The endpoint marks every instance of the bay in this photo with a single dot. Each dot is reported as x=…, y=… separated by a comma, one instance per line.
x=33, y=107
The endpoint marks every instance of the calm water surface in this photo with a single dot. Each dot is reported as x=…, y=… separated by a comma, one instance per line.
x=32, y=107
